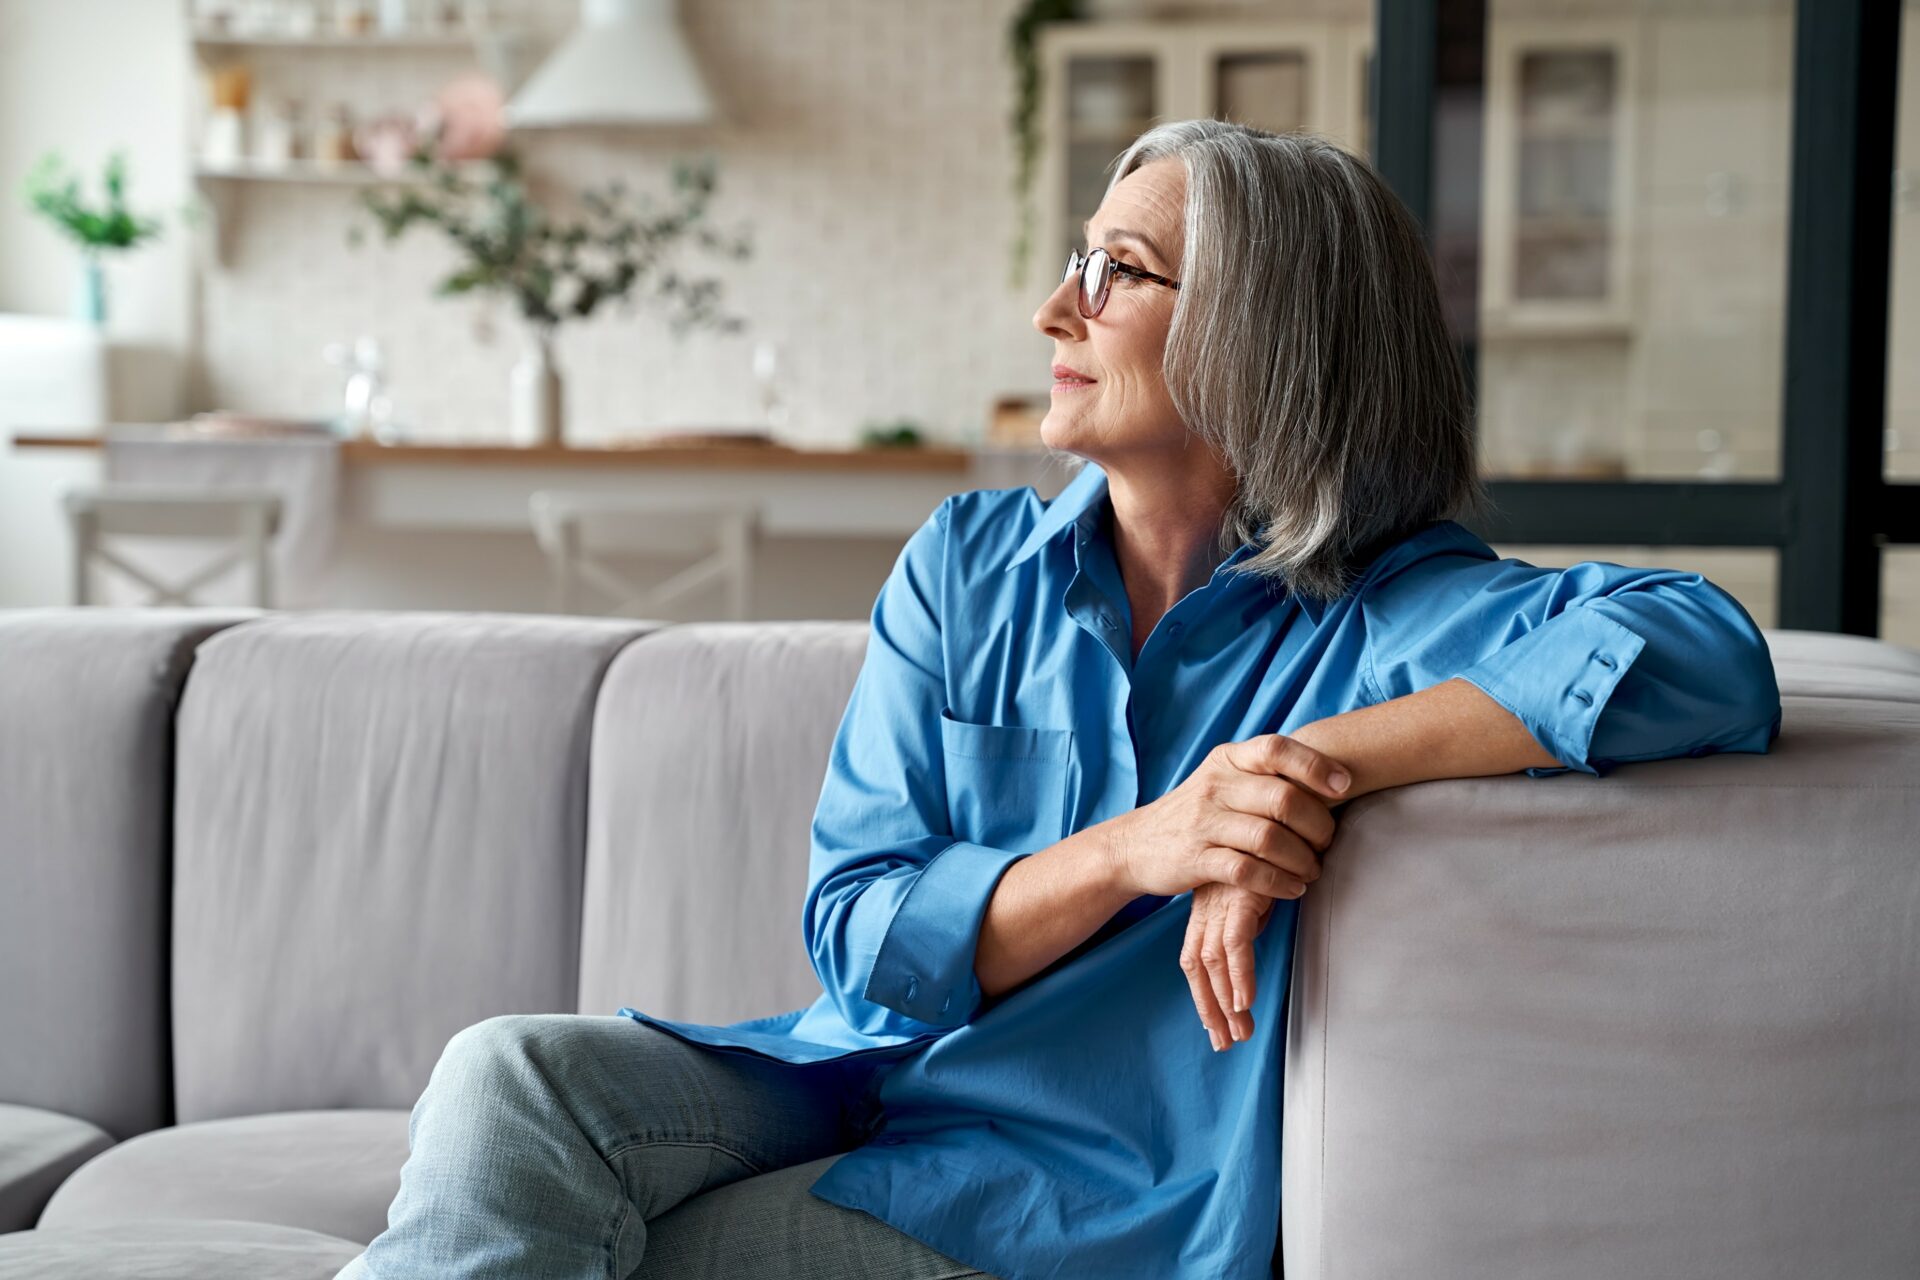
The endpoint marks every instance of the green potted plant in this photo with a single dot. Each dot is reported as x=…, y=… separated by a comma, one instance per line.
x=554, y=267
x=97, y=229
x=1023, y=36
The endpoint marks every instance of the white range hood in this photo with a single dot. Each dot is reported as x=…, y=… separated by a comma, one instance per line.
x=627, y=63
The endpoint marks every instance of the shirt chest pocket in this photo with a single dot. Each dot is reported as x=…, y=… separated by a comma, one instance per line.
x=1008, y=786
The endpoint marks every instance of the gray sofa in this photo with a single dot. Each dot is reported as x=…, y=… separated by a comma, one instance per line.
x=257, y=868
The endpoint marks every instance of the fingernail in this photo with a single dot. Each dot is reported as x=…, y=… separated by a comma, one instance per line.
x=1215, y=1037
x=1235, y=1028
x=1338, y=780
x=1239, y=1004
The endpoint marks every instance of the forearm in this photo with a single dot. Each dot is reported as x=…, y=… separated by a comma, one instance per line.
x=1046, y=905
x=1449, y=730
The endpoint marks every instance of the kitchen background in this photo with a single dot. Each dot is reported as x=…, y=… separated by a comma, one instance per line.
x=1630, y=255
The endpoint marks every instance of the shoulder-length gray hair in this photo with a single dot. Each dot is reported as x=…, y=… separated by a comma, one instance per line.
x=1309, y=348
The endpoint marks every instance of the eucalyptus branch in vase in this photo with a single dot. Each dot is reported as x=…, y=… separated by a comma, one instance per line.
x=98, y=230
x=554, y=268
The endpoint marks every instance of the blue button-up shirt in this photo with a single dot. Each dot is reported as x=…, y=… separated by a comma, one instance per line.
x=1082, y=1124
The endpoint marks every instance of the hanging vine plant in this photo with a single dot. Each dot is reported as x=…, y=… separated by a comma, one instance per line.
x=1023, y=38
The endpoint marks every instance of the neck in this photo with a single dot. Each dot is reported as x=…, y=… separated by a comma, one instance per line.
x=1166, y=522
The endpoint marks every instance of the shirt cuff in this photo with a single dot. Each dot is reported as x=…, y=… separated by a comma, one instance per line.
x=1557, y=679
x=924, y=967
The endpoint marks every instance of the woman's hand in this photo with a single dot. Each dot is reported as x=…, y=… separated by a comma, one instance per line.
x=1218, y=957
x=1251, y=819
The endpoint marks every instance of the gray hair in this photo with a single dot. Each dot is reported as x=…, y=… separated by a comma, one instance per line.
x=1310, y=350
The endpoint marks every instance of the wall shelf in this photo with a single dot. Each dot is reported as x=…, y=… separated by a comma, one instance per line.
x=410, y=41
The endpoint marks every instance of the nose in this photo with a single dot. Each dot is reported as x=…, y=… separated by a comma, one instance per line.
x=1059, y=316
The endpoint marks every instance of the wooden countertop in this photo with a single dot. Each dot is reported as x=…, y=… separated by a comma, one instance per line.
x=756, y=457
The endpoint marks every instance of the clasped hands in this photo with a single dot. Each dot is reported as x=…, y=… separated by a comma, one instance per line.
x=1245, y=828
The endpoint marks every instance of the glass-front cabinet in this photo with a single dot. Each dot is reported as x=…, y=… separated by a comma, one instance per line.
x=1559, y=170
x=1107, y=83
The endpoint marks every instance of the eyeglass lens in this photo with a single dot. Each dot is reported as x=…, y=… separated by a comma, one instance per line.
x=1095, y=276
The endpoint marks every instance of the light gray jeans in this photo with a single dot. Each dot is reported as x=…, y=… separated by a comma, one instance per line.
x=568, y=1146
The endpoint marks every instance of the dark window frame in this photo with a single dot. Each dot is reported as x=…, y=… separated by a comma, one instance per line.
x=1833, y=509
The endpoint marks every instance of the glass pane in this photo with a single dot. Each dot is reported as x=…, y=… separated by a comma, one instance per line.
x=1265, y=90
x=1633, y=240
x=1109, y=102
x=1900, y=596
x=1564, y=194
x=1748, y=574
x=1903, y=320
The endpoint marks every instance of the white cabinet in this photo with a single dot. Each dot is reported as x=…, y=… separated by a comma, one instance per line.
x=1559, y=176
x=1104, y=84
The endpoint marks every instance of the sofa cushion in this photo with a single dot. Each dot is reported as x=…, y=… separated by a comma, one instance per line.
x=158, y=1250
x=379, y=836
x=87, y=699
x=1820, y=663
x=38, y=1149
x=1659, y=1023
x=709, y=748
x=334, y=1172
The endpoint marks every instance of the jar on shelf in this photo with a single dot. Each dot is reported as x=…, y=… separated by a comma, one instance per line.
x=353, y=17
x=277, y=142
x=300, y=19
x=333, y=138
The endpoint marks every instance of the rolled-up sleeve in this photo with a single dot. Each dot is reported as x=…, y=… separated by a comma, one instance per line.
x=1601, y=662
x=894, y=900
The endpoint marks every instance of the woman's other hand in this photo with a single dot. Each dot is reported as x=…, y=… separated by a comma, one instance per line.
x=1248, y=824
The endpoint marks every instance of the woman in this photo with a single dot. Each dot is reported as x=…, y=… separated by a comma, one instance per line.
x=1087, y=770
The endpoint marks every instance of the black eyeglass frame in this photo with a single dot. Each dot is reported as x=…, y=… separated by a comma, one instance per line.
x=1090, y=303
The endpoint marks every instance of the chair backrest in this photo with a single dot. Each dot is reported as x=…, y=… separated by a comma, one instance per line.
x=577, y=531
x=87, y=703
x=709, y=749
x=380, y=830
x=248, y=518
x=1656, y=1023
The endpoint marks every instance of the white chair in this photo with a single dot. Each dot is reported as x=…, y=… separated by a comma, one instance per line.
x=575, y=529
x=248, y=517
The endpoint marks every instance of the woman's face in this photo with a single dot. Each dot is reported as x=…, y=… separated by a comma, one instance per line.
x=1125, y=409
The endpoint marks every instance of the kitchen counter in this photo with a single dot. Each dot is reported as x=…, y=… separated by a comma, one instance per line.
x=770, y=457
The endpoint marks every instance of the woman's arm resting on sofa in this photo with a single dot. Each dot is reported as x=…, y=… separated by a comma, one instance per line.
x=1450, y=730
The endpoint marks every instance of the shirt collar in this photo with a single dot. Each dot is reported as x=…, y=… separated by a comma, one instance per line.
x=1084, y=492
x=1088, y=487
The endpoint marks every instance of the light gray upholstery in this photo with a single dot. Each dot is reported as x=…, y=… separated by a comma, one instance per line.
x=1659, y=1023
x=161, y=1250
x=87, y=700
x=709, y=750
x=334, y=1172
x=379, y=840
x=38, y=1149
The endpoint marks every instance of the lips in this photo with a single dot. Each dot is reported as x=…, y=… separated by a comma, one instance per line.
x=1068, y=374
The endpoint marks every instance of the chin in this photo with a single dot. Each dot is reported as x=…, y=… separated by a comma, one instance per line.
x=1065, y=431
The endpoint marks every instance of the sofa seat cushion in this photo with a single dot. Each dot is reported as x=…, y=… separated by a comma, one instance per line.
x=156, y=1250
x=333, y=1172
x=38, y=1149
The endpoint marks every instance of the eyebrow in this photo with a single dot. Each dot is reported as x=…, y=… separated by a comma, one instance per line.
x=1120, y=233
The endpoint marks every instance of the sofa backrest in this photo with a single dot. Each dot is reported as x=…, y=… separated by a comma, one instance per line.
x=380, y=833
x=709, y=749
x=1657, y=1023
x=86, y=751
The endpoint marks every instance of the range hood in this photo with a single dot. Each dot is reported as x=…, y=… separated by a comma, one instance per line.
x=627, y=63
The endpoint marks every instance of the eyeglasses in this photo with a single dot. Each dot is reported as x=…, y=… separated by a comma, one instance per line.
x=1096, y=274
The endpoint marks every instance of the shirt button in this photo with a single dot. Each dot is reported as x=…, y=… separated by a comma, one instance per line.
x=913, y=987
